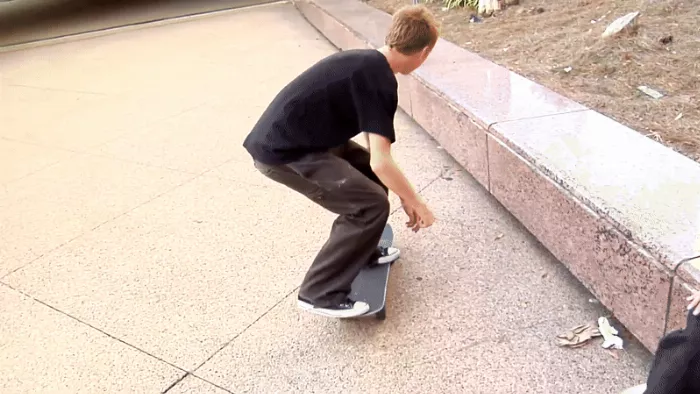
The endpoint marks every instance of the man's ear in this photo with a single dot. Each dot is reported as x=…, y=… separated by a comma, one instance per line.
x=426, y=51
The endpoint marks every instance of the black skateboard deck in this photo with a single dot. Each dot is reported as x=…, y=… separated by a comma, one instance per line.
x=371, y=283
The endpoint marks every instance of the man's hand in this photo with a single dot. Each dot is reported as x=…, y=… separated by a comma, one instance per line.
x=425, y=216
x=694, y=303
x=412, y=216
x=419, y=216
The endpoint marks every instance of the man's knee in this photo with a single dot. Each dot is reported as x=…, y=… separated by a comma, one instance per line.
x=380, y=201
x=365, y=195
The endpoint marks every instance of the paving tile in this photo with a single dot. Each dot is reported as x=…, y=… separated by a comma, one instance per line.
x=267, y=77
x=18, y=159
x=101, y=120
x=472, y=280
x=292, y=351
x=191, y=384
x=507, y=364
x=24, y=109
x=288, y=351
x=4, y=195
x=194, y=141
x=58, y=203
x=8, y=263
x=44, y=351
x=182, y=275
x=82, y=73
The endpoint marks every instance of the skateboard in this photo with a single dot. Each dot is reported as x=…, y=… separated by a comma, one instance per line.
x=371, y=283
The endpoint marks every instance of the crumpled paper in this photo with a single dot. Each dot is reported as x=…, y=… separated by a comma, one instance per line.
x=609, y=333
x=578, y=336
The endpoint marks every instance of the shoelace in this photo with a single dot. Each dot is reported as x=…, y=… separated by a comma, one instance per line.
x=348, y=303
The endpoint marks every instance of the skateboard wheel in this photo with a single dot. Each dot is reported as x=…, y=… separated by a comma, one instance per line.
x=381, y=315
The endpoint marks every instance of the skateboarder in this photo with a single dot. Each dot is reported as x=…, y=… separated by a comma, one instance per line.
x=303, y=140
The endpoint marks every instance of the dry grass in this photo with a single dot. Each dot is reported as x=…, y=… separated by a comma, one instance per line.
x=604, y=73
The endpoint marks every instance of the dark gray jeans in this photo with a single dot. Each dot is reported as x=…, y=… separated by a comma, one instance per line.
x=340, y=180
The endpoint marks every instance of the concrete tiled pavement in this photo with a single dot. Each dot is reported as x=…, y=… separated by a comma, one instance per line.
x=141, y=248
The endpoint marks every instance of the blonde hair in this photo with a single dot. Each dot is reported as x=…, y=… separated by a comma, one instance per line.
x=412, y=28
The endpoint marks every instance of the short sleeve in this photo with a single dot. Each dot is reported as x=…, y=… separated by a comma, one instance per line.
x=375, y=105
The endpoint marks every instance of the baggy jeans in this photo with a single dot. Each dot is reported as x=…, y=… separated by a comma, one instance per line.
x=676, y=366
x=341, y=181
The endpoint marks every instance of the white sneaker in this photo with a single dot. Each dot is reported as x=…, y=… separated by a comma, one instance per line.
x=388, y=255
x=636, y=389
x=345, y=309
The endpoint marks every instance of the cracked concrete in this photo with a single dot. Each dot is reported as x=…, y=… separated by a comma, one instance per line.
x=154, y=257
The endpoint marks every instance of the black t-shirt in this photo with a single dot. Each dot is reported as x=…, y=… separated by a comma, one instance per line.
x=340, y=96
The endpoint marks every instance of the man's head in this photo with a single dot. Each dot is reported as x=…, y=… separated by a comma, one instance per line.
x=412, y=35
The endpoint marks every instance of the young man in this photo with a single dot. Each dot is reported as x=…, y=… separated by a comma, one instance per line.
x=303, y=140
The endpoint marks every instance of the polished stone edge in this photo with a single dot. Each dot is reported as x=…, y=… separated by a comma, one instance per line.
x=440, y=116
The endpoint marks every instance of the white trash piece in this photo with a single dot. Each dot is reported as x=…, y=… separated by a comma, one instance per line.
x=609, y=333
x=620, y=24
x=655, y=94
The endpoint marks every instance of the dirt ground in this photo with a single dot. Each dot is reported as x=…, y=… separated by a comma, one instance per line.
x=605, y=73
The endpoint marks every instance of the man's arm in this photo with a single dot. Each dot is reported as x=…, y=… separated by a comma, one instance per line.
x=386, y=169
x=375, y=114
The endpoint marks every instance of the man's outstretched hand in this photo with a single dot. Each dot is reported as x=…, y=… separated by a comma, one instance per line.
x=419, y=216
x=412, y=217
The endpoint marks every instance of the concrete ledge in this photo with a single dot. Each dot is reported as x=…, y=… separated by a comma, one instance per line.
x=621, y=211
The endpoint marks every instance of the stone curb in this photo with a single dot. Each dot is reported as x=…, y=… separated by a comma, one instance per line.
x=619, y=210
